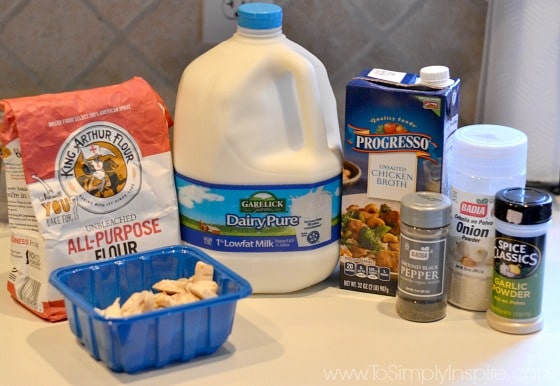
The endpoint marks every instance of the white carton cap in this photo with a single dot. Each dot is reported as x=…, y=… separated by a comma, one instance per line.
x=435, y=76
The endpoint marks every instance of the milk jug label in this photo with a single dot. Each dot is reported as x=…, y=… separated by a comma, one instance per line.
x=471, y=237
x=259, y=218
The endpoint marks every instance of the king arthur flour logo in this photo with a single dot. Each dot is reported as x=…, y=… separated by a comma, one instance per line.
x=99, y=165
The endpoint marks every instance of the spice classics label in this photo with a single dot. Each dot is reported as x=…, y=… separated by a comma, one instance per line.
x=518, y=278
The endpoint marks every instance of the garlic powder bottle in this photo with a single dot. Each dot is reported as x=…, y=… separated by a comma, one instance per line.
x=523, y=216
x=484, y=159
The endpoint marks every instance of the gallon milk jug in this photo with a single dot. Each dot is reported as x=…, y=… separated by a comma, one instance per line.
x=257, y=156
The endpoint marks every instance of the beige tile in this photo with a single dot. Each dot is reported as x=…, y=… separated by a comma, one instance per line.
x=120, y=13
x=8, y=8
x=54, y=39
x=169, y=37
x=122, y=64
x=323, y=28
x=384, y=13
x=54, y=45
x=14, y=80
x=446, y=37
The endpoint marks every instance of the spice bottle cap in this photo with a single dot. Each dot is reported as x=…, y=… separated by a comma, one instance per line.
x=489, y=151
x=426, y=210
x=523, y=206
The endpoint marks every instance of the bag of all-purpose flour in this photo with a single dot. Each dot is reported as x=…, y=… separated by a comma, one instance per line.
x=89, y=176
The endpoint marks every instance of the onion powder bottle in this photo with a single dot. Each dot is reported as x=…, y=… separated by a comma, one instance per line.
x=483, y=159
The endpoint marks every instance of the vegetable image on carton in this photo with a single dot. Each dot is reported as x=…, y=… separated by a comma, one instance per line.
x=397, y=139
x=90, y=177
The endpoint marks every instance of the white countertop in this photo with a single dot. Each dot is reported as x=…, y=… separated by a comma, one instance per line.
x=319, y=336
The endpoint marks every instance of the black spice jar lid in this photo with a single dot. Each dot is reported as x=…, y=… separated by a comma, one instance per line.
x=523, y=206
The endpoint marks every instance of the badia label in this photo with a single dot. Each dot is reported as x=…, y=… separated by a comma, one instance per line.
x=518, y=276
x=263, y=218
x=421, y=267
x=471, y=235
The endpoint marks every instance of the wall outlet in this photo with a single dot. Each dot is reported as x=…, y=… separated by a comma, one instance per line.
x=219, y=18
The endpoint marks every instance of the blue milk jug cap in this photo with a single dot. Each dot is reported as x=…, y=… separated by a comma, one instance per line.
x=259, y=16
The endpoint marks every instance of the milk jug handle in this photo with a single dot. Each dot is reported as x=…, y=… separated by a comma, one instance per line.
x=309, y=97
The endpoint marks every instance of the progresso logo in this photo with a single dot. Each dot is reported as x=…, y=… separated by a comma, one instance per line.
x=366, y=142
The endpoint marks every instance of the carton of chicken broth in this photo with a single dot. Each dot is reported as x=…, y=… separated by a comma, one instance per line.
x=397, y=139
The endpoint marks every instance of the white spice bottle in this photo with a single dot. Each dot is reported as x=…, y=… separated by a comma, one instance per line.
x=484, y=159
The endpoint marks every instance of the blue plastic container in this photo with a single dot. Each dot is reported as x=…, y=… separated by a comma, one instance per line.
x=153, y=339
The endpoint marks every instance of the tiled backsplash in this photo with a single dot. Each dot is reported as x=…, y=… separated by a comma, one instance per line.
x=57, y=45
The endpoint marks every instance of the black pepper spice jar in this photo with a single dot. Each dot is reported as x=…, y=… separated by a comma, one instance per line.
x=425, y=219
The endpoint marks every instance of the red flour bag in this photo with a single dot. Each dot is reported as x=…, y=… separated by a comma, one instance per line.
x=89, y=176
